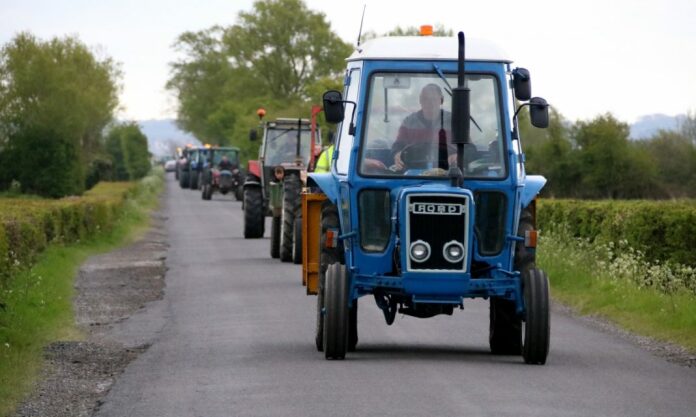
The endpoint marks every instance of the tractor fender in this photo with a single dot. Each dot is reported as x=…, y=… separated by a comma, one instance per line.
x=255, y=168
x=327, y=184
x=532, y=185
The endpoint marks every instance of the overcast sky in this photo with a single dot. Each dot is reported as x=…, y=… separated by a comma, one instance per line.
x=628, y=57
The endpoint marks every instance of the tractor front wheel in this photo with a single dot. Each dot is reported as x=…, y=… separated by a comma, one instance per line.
x=275, y=237
x=336, y=315
x=537, y=326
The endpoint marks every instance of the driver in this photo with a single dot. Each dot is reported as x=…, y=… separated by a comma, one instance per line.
x=424, y=125
x=225, y=164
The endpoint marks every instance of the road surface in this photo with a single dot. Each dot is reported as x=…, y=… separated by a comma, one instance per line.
x=234, y=336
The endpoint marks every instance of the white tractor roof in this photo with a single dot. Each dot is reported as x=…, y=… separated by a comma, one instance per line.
x=427, y=48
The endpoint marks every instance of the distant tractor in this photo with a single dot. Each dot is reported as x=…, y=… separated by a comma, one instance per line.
x=222, y=173
x=274, y=182
x=427, y=203
x=182, y=167
x=197, y=162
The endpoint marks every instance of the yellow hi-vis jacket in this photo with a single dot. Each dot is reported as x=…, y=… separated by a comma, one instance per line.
x=324, y=161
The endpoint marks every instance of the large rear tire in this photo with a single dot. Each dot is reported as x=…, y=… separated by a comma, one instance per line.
x=336, y=317
x=275, y=237
x=254, y=217
x=537, y=326
x=184, y=179
x=291, y=198
x=297, y=241
x=239, y=193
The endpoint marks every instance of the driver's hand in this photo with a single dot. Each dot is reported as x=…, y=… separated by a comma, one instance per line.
x=452, y=159
x=398, y=163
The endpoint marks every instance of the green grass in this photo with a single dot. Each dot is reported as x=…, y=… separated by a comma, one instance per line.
x=38, y=302
x=617, y=285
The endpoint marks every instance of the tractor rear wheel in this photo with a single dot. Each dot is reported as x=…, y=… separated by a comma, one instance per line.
x=336, y=317
x=254, y=217
x=239, y=193
x=291, y=198
x=275, y=237
x=537, y=327
x=183, y=179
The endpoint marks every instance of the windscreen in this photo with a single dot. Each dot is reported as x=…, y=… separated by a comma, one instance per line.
x=230, y=153
x=409, y=126
x=281, y=145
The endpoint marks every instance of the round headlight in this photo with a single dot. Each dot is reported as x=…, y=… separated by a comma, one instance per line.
x=453, y=251
x=419, y=251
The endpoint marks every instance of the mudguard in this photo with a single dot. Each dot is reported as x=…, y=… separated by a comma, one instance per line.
x=327, y=184
x=255, y=168
x=532, y=185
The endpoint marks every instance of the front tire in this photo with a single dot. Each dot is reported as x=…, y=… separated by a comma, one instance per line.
x=336, y=317
x=505, y=334
x=275, y=237
x=537, y=326
x=254, y=217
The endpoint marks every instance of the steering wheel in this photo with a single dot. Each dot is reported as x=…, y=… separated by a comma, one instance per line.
x=419, y=155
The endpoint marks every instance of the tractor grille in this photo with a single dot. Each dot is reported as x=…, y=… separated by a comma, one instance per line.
x=437, y=219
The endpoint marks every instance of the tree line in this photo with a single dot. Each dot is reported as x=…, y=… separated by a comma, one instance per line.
x=57, y=127
x=596, y=159
x=283, y=56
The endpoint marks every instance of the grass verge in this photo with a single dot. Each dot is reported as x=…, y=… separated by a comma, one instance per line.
x=37, y=303
x=616, y=283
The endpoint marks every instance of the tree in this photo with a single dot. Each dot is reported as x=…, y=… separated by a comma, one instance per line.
x=285, y=46
x=278, y=56
x=127, y=147
x=609, y=166
x=675, y=157
x=688, y=127
x=55, y=99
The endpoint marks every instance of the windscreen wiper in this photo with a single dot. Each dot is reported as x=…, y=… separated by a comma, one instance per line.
x=448, y=89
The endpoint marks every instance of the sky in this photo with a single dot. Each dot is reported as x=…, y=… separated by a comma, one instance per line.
x=627, y=57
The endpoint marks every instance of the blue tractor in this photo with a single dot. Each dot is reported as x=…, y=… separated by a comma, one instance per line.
x=427, y=202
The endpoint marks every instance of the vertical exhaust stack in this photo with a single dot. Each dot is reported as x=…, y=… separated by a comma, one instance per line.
x=461, y=113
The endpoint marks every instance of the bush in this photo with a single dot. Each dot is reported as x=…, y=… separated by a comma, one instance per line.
x=27, y=225
x=662, y=230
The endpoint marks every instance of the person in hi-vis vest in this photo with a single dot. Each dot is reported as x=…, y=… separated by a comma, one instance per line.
x=324, y=160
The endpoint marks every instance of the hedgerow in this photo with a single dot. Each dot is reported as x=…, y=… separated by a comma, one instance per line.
x=28, y=225
x=663, y=231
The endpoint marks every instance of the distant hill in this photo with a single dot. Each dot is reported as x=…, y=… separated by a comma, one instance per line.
x=647, y=126
x=163, y=136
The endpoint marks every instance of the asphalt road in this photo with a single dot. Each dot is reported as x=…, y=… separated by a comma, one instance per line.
x=233, y=336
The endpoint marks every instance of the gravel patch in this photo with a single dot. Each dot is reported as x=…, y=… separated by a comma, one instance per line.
x=109, y=289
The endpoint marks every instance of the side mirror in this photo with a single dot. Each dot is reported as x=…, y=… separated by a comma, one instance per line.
x=253, y=135
x=334, y=110
x=539, y=112
x=522, y=83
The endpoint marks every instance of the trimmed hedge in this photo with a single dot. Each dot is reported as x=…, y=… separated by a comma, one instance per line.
x=663, y=230
x=28, y=225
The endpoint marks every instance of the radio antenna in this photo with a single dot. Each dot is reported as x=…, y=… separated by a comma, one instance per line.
x=361, y=23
